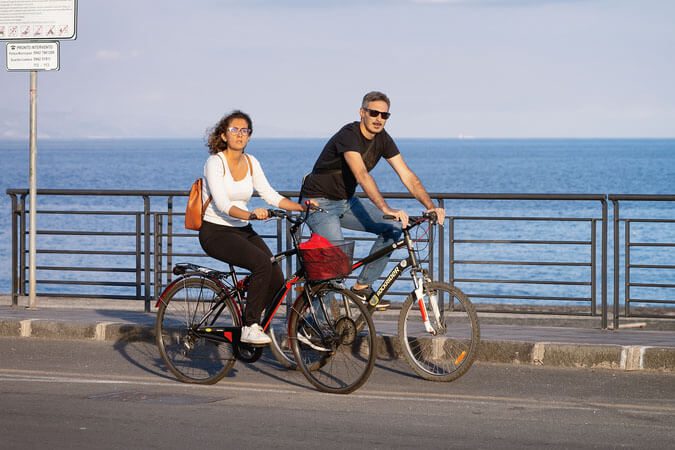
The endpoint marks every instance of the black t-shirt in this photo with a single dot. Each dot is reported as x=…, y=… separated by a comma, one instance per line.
x=331, y=177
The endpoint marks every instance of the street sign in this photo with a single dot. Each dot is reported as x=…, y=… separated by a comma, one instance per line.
x=25, y=56
x=38, y=19
x=35, y=20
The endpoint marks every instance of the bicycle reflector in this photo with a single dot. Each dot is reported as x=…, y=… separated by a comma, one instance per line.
x=460, y=358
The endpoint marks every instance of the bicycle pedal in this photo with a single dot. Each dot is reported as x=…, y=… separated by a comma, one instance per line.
x=249, y=344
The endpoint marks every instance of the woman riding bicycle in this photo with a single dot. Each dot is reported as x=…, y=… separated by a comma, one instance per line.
x=226, y=234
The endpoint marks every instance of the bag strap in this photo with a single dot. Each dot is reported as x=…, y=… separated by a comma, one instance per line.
x=208, y=200
x=206, y=205
x=250, y=166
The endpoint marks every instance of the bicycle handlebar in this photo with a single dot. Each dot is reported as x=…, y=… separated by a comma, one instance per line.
x=282, y=214
x=414, y=220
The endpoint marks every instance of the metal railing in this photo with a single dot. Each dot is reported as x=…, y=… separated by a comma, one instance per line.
x=129, y=249
x=630, y=263
x=590, y=263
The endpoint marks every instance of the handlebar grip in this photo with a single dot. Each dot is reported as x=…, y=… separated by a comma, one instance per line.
x=277, y=213
x=270, y=213
x=432, y=215
x=312, y=207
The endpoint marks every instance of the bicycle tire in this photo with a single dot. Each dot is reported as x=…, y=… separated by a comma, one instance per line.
x=281, y=348
x=190, y=358
x=332, y=354
x=449, y=353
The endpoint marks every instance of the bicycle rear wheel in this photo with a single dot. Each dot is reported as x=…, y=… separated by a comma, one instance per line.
x=187, y=304
x=333, y=354
x=450, y=351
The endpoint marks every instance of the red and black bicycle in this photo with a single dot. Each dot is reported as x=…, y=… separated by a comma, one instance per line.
x=331, y=337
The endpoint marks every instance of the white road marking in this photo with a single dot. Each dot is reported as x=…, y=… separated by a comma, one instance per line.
x=25, y=376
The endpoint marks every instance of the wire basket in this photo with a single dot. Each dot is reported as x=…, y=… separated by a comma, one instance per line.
x=327, y=263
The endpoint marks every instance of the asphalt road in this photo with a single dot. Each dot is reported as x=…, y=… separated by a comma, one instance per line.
x=77, y=395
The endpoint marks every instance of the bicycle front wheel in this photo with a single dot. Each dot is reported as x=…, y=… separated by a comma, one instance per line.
x=188, y=304
x=334, y=354
x=448, y=349
x=280, y=346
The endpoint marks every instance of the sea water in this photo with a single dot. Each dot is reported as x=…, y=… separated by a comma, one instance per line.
x=515, y=166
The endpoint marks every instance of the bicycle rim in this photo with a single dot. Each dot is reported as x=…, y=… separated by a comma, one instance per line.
x=280, y=346
x=450, y=352
x=190, y=358
x=333, y=354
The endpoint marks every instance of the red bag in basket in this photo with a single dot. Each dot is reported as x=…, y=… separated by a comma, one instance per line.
x=324, y=260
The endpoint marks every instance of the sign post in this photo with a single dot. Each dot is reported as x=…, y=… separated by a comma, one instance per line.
x=27, y=23
x=32, y=183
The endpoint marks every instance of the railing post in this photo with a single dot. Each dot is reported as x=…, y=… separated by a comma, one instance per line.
x=626, y=296
x=594, y=263
x=289, y=266
x=139, y=252
x=169, y=238
x=615, y=218
x=22, y=246
x=441, y=245
x=451, y=251
x=15, y=259
x=604, y=265
x=146, y=250
x=279, y=236
x=158, y=253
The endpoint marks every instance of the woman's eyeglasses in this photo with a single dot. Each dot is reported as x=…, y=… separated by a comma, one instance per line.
x=242, y=131
x=375, y=113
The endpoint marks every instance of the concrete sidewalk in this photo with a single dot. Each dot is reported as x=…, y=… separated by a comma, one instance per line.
x=505, y=338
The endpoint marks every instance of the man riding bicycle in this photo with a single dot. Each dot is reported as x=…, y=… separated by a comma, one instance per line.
x=344, y=163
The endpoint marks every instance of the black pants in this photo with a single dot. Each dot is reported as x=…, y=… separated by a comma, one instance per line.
x=242, y=247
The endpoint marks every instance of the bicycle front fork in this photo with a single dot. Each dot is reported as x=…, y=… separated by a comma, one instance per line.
x=418, y=281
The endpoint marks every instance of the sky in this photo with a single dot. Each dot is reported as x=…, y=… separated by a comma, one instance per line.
x=452, y=68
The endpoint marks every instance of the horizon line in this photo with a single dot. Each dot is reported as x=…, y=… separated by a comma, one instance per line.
x=457, y=138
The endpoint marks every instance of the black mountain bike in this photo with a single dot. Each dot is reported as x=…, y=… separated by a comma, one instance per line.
x=438, y=326
x=199, y=320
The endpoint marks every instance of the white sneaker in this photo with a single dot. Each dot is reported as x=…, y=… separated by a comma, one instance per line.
x=302, y=337
x=254, y=335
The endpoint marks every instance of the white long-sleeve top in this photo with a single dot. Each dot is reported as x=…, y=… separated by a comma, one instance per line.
x=227, y=193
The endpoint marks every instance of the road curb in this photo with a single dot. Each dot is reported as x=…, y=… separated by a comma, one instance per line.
x=555, y=354
x=550, y=354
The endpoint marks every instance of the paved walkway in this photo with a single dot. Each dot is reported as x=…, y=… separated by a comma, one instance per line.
x=505, y=338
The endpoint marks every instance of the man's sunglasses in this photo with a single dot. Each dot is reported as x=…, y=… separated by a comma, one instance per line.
x=375, y=113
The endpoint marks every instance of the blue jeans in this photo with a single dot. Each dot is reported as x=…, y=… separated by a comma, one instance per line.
x=360, y=215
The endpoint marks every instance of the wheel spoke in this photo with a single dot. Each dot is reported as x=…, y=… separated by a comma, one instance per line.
x=332, y=352
x=449, y=351
x=190, y=357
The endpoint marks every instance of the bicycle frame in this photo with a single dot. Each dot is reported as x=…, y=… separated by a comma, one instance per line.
x=233, y=334
x=410, y=262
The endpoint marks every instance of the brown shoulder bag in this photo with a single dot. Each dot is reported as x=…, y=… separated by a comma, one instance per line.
x=195, y=209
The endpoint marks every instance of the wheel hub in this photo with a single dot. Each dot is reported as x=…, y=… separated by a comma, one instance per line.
x=345, y=329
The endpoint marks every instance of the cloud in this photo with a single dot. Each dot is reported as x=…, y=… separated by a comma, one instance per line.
x=115, y=55
x=10, y=134
x=504, y=3
x=108, y=55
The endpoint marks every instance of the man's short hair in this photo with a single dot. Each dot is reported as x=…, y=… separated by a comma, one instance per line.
x=374, y=96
